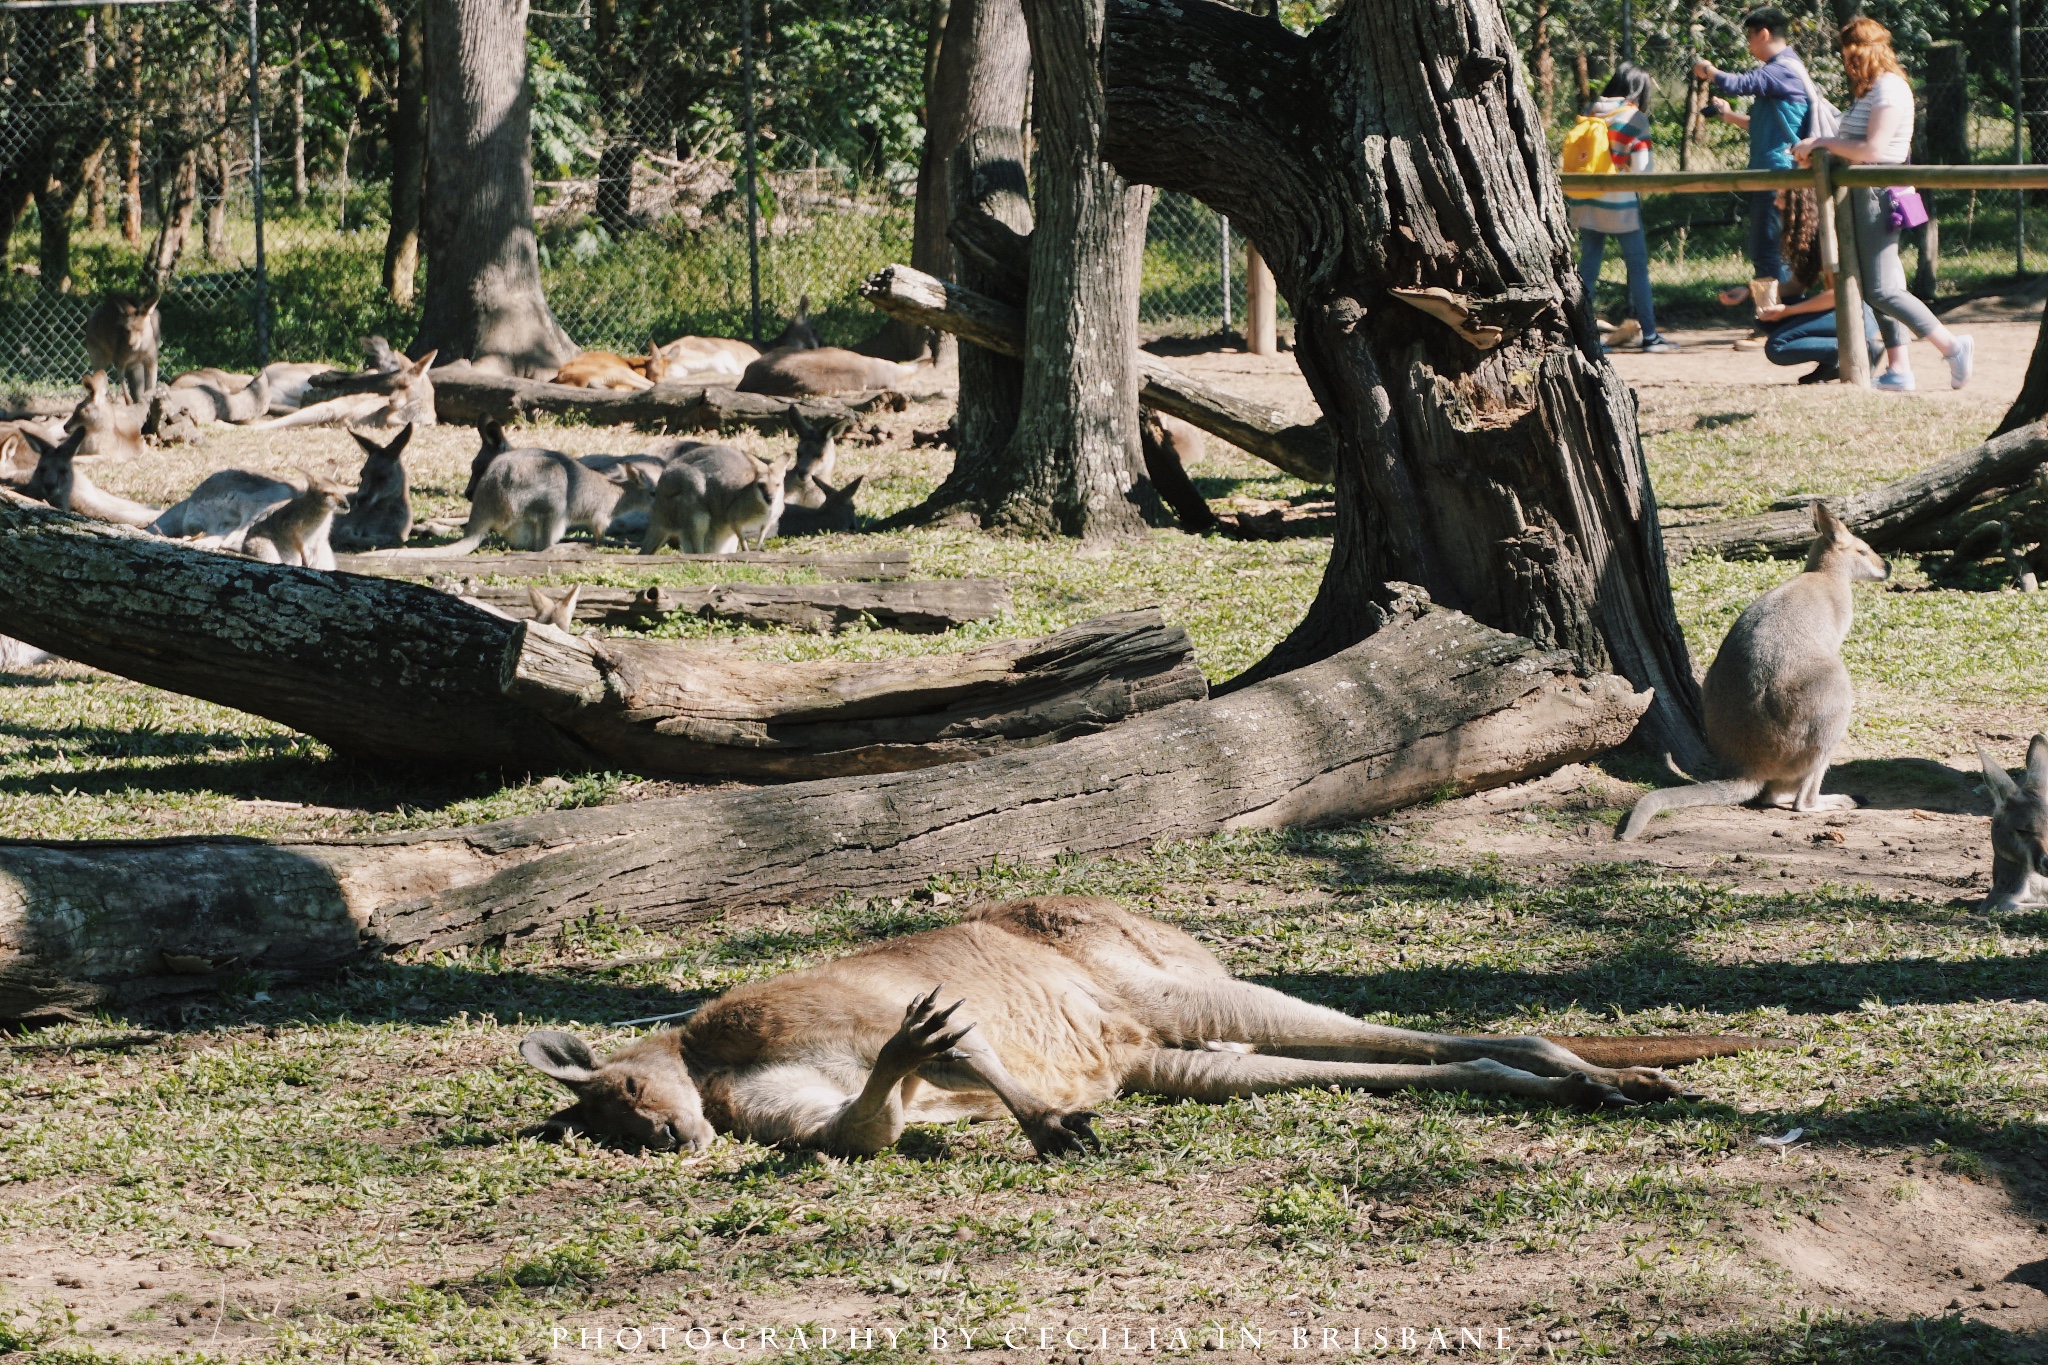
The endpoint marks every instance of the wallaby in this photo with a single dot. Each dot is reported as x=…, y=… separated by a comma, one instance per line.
x=556, y=609
x=817, y=456
x=379, y=514
x=1065, y=1003
x=404, y=396
x=210, y=396
x=835, y=514
x=122, y=336
x=608, y=370
x=111, y=428
x=708, y=357
x=297, y=533
x=62, y=484
x=534, y=497
x=825, y=370
x=639, y=475
x=2019, y=831
x=1777, y=695
x=224, y=508
x=710, y=499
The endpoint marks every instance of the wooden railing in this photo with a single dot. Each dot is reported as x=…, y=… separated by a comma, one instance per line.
x=1830, y=179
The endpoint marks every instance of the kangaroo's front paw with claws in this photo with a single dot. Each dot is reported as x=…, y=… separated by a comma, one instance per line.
x=1054, y=1134
x=927, y=1033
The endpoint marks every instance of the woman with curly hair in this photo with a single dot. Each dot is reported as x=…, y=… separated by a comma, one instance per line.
x=1878, y=131
x=1801, y=330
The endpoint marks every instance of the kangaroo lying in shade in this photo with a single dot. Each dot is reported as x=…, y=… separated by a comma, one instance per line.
x=1065, y=1003
x=1777, y=695
x=2019, y=831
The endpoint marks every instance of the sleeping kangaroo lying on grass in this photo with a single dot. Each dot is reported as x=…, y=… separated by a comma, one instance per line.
x=1064, y=1003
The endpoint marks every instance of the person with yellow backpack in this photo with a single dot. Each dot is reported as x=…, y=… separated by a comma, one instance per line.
x=1614, y=135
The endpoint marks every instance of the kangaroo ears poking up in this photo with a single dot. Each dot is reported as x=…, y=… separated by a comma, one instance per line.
x=797, y=422
x=2037, y=766
x=2001, y=786
x=492, y=433
x=1826, y=522
x=390, y=450
x=563, y=1056
x=843, y=493
x=420, y=366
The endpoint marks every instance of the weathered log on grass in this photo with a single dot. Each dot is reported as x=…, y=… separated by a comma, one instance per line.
x=571, y=560
x=1433, y=702
x=463, y=395
x=399, y=672
x=917, y=608
x=1906, y=514
x=1307, y=451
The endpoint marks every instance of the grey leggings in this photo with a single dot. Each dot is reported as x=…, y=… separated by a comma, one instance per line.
x=1900, y=316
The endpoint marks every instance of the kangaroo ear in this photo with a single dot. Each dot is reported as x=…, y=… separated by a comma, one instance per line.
x=797, y=424
x=370, y=447
x=561, y=1055
x=565, y=609
x=839, y=427
x=2037, y=766
x=1825, y=522
x=847, y=492
x=420, y=366
x=1996, y=781
x=398, y=443
x=36, y=443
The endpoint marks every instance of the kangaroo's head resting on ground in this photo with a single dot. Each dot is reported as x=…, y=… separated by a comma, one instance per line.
x=2019, y=830
x=642, y=1096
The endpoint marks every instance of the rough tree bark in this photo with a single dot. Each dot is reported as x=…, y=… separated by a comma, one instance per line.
x=1393, y=148
x=1074, y=467
x=982, y=79
x=483, y=299
x=463, y=395
x=1435, y=702
x=408, y=138
x=176, y=224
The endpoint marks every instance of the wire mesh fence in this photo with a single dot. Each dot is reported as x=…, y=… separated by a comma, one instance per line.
x=132, y=136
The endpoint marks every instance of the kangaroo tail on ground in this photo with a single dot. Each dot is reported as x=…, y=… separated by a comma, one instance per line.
x=1673, y=1049
x=1732, y=791
x=471, y=538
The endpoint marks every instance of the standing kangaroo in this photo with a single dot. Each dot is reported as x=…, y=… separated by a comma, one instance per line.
x=1066, y=1002
x=122, y=336
x=379, y=512
x=297, y=533
x=1777, y=695
x=710, y=499
x=2019, y=831
x=534, y=497
x=59, y=482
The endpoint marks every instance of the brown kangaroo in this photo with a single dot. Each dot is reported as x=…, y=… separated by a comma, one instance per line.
x=609, y=370
x=123, y=335
x=825, y=370
x=1064, y=1003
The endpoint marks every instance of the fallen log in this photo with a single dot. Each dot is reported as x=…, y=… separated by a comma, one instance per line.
x=1890, y=517
x=566, y=559
x=1307, y=451
x=1434, y=702
x=399, y=672
x=464, y=396
x=916, y=608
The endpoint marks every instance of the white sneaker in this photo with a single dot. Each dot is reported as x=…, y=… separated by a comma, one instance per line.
x=1959, y=363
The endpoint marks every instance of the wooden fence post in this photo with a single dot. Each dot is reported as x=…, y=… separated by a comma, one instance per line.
x=1261, y=307
x=1854, y=354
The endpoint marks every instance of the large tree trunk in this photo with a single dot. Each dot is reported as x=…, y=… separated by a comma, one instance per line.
x=1393, y=148
x=982, y=79
x=1435, y=703
x=408, y=160
x=483, y=300
x=1074, y=467
x=396, y=672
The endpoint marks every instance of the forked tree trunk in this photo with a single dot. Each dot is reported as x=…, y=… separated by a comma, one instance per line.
x=483, y=299
x=408, y=160
x=176, y=226
x=982, y=79
x=1074, y=467
x=1392, y=148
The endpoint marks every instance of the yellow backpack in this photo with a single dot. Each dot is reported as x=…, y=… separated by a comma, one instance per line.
x=1586, y=151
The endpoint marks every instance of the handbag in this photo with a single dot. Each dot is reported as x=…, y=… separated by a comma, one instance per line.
x=1822, y=118
x=1904, y=207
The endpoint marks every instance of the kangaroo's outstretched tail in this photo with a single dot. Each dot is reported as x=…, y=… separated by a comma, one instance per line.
x=1731, y=791
x=471, y=538
x=1674, y=1049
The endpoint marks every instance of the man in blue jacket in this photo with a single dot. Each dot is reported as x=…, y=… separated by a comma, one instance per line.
x=1776, y=90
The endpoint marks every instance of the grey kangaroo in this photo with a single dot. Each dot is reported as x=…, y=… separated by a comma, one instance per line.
x=297, y=533
x=710, y=499
x=224, y=508
x=60, y=483
x=817, y=455
x=835, y=513
x=1777, y=695
x=216, y=396
x=122, y=336
x=1066, y=1002
x=110, y=428
x=534, y=497
x=379, y=512
x=2019, y=831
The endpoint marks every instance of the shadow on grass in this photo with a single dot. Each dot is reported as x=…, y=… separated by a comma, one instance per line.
x=1833, y=1340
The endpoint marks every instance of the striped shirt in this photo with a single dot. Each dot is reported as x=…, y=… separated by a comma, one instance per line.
x=1628, y=143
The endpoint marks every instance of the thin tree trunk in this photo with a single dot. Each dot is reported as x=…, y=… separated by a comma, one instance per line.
x=484, y=300
x=614, y=207
x=1542, y=64
x=408, y=160
x=53, y=250
x=1075, y=466
x=96, y=191
x=131, y=139
x=1393, y=148
x=213, y=190
x=300, y=186
x=176, y=224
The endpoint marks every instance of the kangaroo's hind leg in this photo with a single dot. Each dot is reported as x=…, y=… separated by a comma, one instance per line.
x=973, y=1064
